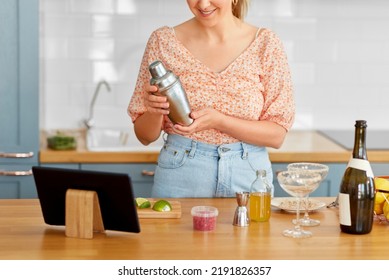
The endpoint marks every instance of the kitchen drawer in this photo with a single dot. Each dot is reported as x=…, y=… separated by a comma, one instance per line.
x=12, y=187
x=141, y=174
x=136, y=170
x=61, y=165
x=142, y=189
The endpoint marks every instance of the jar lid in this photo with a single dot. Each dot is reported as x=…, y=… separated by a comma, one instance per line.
x=204, y=211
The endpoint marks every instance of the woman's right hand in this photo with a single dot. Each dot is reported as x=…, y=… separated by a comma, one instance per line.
x=148, y=125
x=155, y=104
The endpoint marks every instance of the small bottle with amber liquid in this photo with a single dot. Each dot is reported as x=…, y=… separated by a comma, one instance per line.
x=357, y=190
x=260, y=198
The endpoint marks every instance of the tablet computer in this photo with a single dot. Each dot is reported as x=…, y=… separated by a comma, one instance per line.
x=114, y=191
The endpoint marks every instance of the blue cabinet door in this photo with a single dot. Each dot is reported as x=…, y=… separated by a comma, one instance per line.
x=19, y=96
x=141, y=174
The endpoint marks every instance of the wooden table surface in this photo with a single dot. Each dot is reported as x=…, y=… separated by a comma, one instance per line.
x=24, y=235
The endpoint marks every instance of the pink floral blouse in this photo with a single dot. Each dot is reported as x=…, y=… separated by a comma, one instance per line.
x=255, y=86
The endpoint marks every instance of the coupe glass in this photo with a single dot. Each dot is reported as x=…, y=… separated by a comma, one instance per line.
x=298, y=183
x=322, y=170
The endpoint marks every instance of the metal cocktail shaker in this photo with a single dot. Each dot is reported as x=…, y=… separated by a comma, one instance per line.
x=170, y=86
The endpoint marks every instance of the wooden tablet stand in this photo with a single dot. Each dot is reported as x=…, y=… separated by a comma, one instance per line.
x=83, y=215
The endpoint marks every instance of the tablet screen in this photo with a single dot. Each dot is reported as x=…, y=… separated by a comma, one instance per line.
x=114, y=190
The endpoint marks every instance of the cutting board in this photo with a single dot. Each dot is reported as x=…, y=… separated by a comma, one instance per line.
x=149, y=213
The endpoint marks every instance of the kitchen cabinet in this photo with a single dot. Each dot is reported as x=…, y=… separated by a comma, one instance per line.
x=380, y=169
x=141, y=174
x=62, y=165
x=19, y=97
x=142, y=177
x=299, y=146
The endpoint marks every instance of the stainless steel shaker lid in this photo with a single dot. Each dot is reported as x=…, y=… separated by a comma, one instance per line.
x=161, y=77
x=157, y=69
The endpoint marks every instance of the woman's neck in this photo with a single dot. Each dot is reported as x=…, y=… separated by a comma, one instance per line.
x=218, y=33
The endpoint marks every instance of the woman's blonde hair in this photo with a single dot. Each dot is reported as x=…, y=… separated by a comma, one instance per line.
x=240, y=7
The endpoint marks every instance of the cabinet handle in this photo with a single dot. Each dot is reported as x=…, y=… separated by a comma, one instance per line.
x=16, y=173
x=147, y=173
x=16, y=155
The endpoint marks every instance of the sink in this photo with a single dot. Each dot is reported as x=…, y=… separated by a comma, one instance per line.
x=116, y=140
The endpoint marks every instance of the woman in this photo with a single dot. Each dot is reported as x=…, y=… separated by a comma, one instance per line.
x=239, y=87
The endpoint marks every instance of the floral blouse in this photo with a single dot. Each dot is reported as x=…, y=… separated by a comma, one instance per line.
x=255, y=86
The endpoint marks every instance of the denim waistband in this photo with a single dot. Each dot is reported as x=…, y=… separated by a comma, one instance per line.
x=211, y=149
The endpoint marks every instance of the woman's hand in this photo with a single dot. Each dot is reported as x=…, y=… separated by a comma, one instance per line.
x=155, y=104
x=204, y=119
x=148, y=125
x=260, y=133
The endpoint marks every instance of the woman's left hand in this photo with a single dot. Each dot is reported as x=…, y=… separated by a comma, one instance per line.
x=204, y=119
x=261, y=133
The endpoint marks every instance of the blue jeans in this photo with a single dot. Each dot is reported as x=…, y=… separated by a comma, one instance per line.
x=188, y=168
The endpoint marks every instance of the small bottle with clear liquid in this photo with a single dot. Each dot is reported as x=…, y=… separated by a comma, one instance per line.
x=260, y=198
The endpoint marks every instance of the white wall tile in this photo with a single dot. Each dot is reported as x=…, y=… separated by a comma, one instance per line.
x=57, y=70
x=126, y=7
x=65, y=25
x=303, y=73
x=54, y=48
x=91, y=48
x=315, y=51
x=363, y=8
x=357, y=51
x=93, y=6
x=54, y=6
x=105, y=70
x=81, y=95
x=385, y=57
x=102, y=25
x=57, y=94
x=304, y=29
x=338, y=51
x=125, y=28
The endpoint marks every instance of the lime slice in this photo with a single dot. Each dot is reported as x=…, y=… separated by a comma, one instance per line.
x=142, y=203
x=162, y=206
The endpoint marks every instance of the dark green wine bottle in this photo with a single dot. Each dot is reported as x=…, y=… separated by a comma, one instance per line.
x=357, y=190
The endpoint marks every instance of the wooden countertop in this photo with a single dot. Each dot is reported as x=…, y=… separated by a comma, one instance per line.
x=25, y=236
x=298, y=146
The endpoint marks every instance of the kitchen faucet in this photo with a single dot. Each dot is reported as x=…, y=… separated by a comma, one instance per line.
x=90, y=121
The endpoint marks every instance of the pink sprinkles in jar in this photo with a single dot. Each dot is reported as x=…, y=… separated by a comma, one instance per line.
x=204, y=218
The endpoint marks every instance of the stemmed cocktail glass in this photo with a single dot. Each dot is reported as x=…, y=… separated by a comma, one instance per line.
x=298, y=183
x=322, y=170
